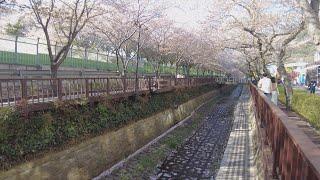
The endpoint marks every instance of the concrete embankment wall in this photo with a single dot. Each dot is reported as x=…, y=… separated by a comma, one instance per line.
x=95, y=155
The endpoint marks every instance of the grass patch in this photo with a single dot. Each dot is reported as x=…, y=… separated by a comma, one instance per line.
x=173, y=142
x=7, y=57
x=305, y=104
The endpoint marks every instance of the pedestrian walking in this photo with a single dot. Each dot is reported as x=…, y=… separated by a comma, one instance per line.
x=274, y=91
x=264, y=85
x=313, y=87
x=309, y=86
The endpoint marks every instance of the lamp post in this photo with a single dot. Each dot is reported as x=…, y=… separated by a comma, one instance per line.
x=318, y=72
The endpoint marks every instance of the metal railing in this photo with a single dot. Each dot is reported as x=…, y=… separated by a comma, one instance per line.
x=294, y=155
x=33, y=52
x=40, y=90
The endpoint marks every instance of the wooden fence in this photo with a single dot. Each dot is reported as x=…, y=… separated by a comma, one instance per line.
x=36, y=90
x=294, y=155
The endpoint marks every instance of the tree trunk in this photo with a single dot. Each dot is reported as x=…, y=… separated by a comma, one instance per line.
x=124, y=72
x=311, y=13
x=117, y=56
x=54, y=71
x=54, y=83
x=157, y=70
x=177, y=69
x=108, y=56
x=286, y=84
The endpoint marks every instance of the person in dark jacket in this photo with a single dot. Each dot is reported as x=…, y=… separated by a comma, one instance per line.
x=309, y=86
x=313, y=87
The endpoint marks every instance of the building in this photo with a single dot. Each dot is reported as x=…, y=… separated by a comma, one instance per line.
x=297, y=71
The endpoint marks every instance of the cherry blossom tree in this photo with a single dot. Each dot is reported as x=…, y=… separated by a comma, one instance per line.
x=62, y=21
x=261, y=31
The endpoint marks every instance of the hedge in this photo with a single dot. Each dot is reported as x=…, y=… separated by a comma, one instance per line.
x=305, y=104
x=71, y=122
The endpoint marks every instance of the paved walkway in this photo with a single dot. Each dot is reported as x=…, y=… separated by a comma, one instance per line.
x=199, y=157
x=237, y=162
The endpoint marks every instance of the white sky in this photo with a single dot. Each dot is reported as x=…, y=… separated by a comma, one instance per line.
x=187, y=13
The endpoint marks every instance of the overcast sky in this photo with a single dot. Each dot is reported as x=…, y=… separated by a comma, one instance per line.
x=187, y=13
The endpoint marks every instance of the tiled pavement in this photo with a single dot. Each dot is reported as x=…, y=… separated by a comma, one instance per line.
x=237, y=162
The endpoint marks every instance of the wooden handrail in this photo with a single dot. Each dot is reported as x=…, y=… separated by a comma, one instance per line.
x=39, y=90
x=295, y=156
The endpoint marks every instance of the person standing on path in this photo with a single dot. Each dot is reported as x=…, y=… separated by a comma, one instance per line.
x=274, y=91
x=309, y=86
x=264, y=85
x=313, y=87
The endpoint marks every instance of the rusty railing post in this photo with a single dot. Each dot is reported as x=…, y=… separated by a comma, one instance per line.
x=24, y=91
x=124, y=82
x=108, y=86
x=87, y=88
x=175, y=80
x=59, y=83
x=149, y=84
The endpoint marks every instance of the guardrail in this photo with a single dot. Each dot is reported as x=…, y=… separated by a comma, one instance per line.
x=21, y=73
x=36, y=90
x=294, y=155
x=33, y=52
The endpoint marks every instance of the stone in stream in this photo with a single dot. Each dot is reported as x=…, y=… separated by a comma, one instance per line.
x=204, y=149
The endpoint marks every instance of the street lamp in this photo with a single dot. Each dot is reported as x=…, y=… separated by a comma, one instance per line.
x=318, y=73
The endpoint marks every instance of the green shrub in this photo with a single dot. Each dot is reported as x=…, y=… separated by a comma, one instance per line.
x=305, y=104
x=71, y=121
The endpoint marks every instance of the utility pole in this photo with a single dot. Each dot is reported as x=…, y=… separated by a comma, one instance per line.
x=138, y=23
x=137, y=63
x=37, y=57
x=16, y=50
x=318, y=72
